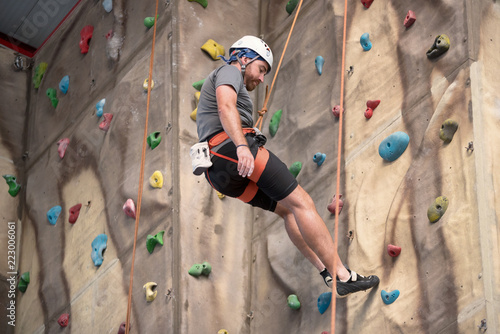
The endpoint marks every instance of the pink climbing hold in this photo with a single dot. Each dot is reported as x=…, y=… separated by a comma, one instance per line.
x=367, y=3
x=332, y=206
x=336, y=111
x=109, y=34
x=63, y=320
x=129, y=208
x=86, y=35
x=393, y=250
x=409, y=19
x=74, y=212
x=104, y=126
x=62, y=146
x=121, y=330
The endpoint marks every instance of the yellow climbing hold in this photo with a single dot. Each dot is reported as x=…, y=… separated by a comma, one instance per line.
x=220, y=195
x=149, y=289
x=213, y=48
x=195, y=111
x=222, y=331
x=145, y=84
x=156, y=180
x=437, y=209
x=193, y=114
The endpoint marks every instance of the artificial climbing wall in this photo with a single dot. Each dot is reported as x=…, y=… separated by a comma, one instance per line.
x=447, y=272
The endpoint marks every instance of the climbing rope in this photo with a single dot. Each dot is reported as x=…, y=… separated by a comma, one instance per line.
x=268, y=92
x=141, y=175
x=339, y=154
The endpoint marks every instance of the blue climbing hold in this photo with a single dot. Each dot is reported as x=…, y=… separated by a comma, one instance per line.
x=324, y=301
x=365, y=42
x=108, y=5
x=393, y=146
x=100, y=107
x=319, y=64
x=64, y=84
x=319, y=158
x=53, y=214
x=98, y=248
x=389, y=297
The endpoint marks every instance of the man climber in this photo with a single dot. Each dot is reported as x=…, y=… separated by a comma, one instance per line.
x=241, y=167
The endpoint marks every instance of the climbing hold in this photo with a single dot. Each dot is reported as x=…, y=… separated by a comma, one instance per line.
x=149, y=289
x=156, y=180
x=204, y=3
x=324, y=301
x=372, y=104
x=293, y=302
x=129, y=208
x=24, y=280
x=295, y=168
x=320, y=61
x=448, y=129
x=104, y=126
x=122, y=328
x=332, y=206
x=437, y=209
x=150, y=21
x=222, y=331
x=53, y=214
x=109, y=34
x=393, y=146
x=367, y=3
x=145, y=84
x=393, y=250
x=440, y=46
x=63, y=320
x=368, y=113
x=62, y=145
x=365, y=42
x=290, y=6
x=220, y=195
x=154, y=139
x=336, y=111
x=86, y=35
x=39, y=72
x=213, y=48
x=275, y=122
x=74, y=212
x=108, y=5
x=52, y=94
x=98, y=248
x=195, y=111
x=409, y=19
x=389, y=297
x=64, y=84
x=319, y=158
x=151, y=241
x=200, y=269
x=100, y=107
x=14, y=187
x=198, y=84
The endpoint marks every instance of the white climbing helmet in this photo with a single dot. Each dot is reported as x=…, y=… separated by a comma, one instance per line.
x=257, y=45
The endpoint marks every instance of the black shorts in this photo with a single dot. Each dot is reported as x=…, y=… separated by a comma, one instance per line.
x=274, y=184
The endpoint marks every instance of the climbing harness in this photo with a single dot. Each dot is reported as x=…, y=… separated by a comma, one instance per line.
x=141, y=176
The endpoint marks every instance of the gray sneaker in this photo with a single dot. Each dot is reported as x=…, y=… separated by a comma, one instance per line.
x=355, y=283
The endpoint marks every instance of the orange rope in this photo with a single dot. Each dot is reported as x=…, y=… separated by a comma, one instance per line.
x=268, y=93
x=339, y=154
x=141, y=176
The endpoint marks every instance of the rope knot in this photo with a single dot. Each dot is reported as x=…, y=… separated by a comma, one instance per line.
x=262, y=111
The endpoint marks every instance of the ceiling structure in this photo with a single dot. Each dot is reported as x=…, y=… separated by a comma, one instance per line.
x=26, y=25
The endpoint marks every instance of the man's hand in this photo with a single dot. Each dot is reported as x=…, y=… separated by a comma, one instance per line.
x=245, y=161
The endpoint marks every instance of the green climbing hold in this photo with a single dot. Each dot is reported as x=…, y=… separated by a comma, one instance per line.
x=437, y=209
x=207, y=268
x=293, y=302
x=52, y=94
x=39, y=72
x=24, y=281
x=275, y=122
x=290, y=6
x=154, y=139
x=197, y=85
x=448, y=130
x=150, y=21
x=14, y=187
x=204, y=3
x=295, y=168
x=200, y=269
x=151, y=241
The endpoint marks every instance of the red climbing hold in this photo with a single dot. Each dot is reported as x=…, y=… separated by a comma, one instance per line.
x=332, y=206
x=74, y=212
x=63, y=320
x=104, y=126
x=367, y=3
x=372, y=104
x=129, y=208
x=86, y=35
x=393, y=250
x=336, y=111
x=409, y=19
x=109, y=34
x=62, y=145
x=368, y=113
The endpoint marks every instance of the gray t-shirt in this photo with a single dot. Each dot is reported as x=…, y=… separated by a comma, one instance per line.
x=207, y=117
